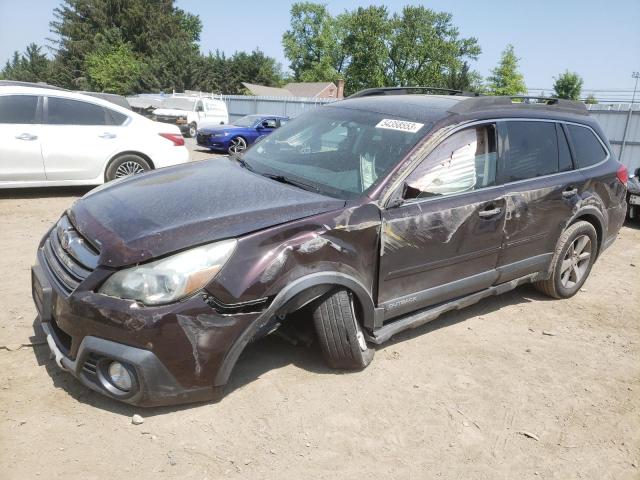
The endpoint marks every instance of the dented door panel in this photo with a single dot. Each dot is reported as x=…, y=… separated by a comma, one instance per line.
x=434, y=242
x=537, y=211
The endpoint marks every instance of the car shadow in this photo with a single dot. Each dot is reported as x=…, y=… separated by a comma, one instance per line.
x=268, y=354
x=43, y=192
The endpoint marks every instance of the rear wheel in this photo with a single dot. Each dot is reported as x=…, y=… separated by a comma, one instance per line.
x=193, y=129
x=125, y=166
x=340, y=335
x=574, y=256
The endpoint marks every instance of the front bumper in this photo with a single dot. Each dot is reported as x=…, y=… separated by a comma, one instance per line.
x=175, y=352
x=153, y=384
x=209, y=141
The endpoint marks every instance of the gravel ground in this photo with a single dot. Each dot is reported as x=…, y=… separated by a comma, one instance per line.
x=517, y=386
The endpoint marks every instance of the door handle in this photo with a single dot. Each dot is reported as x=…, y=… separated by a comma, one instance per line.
x=26, y=136
x=569, y=192
x=107, y=135
x=489, y=213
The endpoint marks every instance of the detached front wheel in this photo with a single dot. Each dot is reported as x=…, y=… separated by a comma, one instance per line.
x=340, y=335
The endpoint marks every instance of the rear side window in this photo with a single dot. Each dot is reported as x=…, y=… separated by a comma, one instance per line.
x=464, y=162
x=531, y=150
x=18, y=109
x=564, y=154
x=116, y=118
x=73, y=112
x=586, y=146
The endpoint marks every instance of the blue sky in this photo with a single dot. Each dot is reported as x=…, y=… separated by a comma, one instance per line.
x=599, y=40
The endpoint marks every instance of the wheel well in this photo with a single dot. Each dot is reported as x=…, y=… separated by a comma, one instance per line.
x=593, y=220
x=121, y=154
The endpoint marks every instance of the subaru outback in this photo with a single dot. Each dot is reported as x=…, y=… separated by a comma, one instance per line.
x=375, y=214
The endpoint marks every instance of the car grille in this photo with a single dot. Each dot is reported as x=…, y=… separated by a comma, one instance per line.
x=68, y=257
x=203, y=137
x=166, y=119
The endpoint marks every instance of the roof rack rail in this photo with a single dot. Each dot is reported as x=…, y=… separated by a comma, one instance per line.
x=16, y=83
x=490, y=102
x=370, y=92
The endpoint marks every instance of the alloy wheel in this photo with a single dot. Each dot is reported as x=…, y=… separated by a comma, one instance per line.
x=237, y=145
x=128, y=168
x=576, y=261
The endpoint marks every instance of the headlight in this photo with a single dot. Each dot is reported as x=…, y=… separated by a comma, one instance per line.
x=223, y=134
x=172, y=278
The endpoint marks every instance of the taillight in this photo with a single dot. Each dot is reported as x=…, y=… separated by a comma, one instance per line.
x=623, y=174
x=176, y=138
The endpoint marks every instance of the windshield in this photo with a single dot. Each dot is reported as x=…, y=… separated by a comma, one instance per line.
x=247, y=121
x=340, y=151
x=179, y=104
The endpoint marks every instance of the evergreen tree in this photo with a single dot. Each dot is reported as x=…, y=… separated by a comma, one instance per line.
x=506, y=79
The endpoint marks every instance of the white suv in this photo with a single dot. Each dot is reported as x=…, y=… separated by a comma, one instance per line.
x=53, y=137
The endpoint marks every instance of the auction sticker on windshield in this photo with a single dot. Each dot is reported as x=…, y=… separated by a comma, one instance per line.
x=401, y=125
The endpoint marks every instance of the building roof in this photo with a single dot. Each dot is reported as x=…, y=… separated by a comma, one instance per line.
x=261, y=90
x=300, y=89
x=308, y=89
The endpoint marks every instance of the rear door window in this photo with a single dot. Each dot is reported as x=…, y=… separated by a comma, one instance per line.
x=564, y=154
x=587, y=148
x=63, y=111
x=18, y=109
x=531, y=150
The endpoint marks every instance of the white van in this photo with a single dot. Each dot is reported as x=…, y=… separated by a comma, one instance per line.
x=188, y=112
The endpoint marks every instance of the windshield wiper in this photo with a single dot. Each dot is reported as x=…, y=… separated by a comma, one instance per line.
x=291, y=181
x=243, y=163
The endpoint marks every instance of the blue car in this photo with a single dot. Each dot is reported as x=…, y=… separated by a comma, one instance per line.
x=236, y=137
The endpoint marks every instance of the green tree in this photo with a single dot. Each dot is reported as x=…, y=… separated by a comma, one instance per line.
x=226, y=74
x=591, y=99
x=506, y=79
x=114, y=69
x=368, y=47
x=313, y=43
x=152, y=29
x=31, y=66
x=425, y=48
x=568, y=85
x=365, y=42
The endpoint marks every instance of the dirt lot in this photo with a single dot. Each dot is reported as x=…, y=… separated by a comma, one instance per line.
x=516, y=386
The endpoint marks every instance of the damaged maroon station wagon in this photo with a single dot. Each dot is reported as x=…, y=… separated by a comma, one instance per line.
x=375, y=214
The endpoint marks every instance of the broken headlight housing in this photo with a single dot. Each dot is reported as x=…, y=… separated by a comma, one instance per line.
x=172, y=278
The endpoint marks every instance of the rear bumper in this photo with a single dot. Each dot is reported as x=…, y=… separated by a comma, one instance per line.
x=171, y=155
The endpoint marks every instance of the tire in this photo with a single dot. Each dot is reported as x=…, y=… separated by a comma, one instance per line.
x=339, y=333
x=237, y=145
x=571, y=265
x=193, y=130
x=119, y=167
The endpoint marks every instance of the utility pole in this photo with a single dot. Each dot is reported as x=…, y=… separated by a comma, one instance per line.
x=635, y=75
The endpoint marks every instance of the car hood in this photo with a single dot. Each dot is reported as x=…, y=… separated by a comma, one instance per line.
x=170, y=112
x=146, y=216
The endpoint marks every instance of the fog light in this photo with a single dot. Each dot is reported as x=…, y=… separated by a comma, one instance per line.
x=120, y=376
